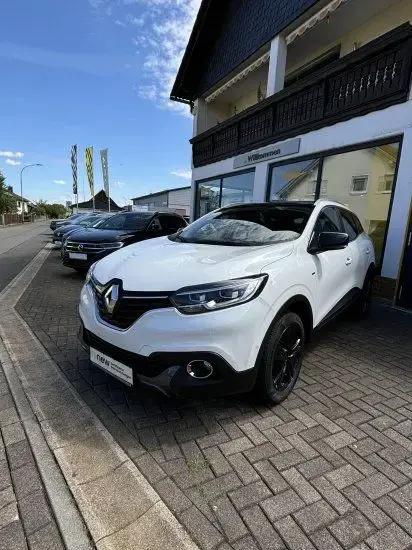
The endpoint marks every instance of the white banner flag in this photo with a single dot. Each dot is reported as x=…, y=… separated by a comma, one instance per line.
x=105, y=170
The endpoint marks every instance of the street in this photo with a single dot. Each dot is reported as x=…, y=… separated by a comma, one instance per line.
x=329, y=468
x=18, y=245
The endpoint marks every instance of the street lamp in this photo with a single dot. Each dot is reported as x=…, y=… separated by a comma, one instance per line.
x=21, y=187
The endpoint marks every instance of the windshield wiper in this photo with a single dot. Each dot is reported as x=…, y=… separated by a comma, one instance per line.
x=178, y=237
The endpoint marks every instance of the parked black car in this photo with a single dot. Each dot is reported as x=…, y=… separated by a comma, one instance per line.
x=91, y=220
x=85, y=247
x=71, y=218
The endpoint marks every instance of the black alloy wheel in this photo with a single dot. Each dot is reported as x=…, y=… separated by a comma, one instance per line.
x=287, y=357
x=362, y=307
x=281, y=357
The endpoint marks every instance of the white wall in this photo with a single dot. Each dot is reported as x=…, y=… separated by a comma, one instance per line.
x=387, y=123
x=25, y=207
x=180, y=199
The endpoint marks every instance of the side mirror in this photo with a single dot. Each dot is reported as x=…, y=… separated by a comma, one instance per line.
x=328, y=241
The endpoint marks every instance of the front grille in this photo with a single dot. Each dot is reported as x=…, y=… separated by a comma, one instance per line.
x=129, y=307
x=86, y=248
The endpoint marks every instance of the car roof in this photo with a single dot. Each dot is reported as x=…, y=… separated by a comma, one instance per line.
x=268, y=205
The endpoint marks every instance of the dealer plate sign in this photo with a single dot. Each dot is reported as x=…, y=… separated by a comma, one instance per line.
x=272, y=152
x=111, y=366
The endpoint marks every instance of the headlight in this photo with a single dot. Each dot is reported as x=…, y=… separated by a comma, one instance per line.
x=90, y=273
x=204, y=298
x=112, y=245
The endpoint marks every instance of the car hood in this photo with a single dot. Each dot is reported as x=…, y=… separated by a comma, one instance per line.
x=163, y=265
x=95, y=235
x=65, y=229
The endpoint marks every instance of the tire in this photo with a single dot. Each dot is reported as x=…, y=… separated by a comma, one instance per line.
x=362, y=307
x=280, y=359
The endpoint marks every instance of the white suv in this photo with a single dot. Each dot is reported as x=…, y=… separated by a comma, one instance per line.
x=228, y=303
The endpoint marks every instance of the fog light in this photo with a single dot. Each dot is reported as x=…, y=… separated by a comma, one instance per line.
x=199, y=369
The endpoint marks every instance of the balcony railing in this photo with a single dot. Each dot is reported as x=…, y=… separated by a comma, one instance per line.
x=371, y=78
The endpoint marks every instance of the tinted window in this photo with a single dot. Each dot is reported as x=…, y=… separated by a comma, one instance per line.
x=134, y=221
x=328, y=221
x=253, y=226
x=156, y=225
x=349, y=224
x=172, y=223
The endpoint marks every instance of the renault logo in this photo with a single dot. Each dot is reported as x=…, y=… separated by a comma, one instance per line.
x=110, y=298
x=80, y=247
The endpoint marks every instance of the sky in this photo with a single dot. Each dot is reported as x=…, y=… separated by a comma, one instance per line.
x=93, y=73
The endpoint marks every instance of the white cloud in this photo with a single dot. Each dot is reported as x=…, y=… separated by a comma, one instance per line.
x=12, y=162
x=10, y=154
x=166, y=40
x=147, y=92
x=120, y=23
x=164, y=30
x=59, y=182
x=185, y=174
x=138, y=21
x=118, y=184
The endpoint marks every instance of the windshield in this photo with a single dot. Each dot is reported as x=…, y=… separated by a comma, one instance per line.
x=90, y=221
x=128, y=221
x=250, y=226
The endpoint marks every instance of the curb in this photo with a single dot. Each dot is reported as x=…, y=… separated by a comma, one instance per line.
x=120, y=508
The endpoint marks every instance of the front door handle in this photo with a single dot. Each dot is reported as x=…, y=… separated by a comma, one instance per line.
x=348, y=261
x=368, y=251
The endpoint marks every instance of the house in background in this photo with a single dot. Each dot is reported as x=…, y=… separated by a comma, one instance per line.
x=305, y=99
x=101, y=204
x=26, y=202
x=170, y=200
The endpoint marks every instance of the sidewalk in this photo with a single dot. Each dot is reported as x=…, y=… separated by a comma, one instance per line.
x=26, y=519
x=97, y=495
x=330, y=468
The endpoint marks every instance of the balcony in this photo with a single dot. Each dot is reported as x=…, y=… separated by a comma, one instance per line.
x=373, y=77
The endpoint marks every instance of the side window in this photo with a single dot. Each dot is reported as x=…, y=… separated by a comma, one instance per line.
x=349, y=225
x=328, y=221
x=172, y=223
x=155, y=225
x=359, y=226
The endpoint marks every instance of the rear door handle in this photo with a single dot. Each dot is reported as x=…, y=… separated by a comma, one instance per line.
x=348, y=261
x=368, y=251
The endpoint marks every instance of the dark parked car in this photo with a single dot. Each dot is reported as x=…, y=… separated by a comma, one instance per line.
x=85, y=247
x=71, y=218
x=91, y=220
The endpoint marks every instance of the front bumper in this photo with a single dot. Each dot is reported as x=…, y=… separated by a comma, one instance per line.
x=167, y=372
x=86, y=263
x=163, y=339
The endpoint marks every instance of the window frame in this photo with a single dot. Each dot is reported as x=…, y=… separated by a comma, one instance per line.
x=340, y=151
x=351, y=215
x=360, y=176
x=220, y=178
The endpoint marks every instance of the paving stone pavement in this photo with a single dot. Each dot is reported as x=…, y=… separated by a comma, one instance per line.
x=330, y=468
x=26, y=518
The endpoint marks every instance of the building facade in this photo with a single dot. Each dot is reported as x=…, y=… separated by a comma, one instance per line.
x=172, y=200
x=322, y=109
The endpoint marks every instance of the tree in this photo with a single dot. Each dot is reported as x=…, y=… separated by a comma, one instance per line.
x=55, y=210
x=7, y=200
x=40, y=208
